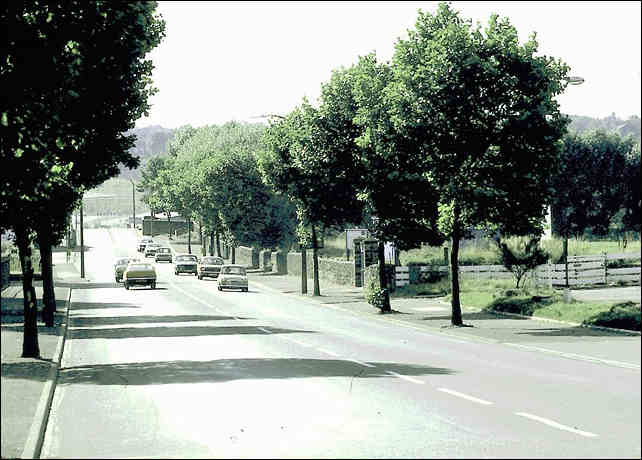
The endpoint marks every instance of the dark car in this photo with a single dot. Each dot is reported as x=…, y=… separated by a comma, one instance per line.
x=185, y=263
x=121, y=265
x=210, y=266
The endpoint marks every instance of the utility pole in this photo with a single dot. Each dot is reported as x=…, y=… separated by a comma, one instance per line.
x=82, y=245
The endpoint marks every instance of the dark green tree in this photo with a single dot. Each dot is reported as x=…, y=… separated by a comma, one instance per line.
x=480, y=109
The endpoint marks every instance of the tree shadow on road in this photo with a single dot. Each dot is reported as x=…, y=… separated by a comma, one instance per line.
x=473, y=316
x=31, y=370
x=173, y=331
x=94, y=306
x=575, y=331
x=90, y=321
x=225, y=370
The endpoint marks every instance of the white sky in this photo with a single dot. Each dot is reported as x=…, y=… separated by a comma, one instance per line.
x=225, y=61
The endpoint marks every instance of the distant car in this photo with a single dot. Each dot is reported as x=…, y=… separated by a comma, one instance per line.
x=139, y=273
x=142, y=243
x=121, y=265
x=163, y=253
x=150, y=249
x=209, y=266
x=232, y=277
x=185, y=263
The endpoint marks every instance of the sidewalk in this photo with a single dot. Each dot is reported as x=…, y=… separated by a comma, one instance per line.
x=27, y=384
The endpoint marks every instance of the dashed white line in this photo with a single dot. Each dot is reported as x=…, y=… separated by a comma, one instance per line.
x=295, y=341
x=264, y=330
x=556, y=425
x=576, y=356
x=405, y=377
x=462, y=395
x=322, y=350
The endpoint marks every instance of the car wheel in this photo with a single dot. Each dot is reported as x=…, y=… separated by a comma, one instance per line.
x=175, y=272
x=220, y=288
x=200, y=277
x=126, y=286
x=153, y=284
x=244, y=290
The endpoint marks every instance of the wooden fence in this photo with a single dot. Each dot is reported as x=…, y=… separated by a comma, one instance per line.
x=582, y=271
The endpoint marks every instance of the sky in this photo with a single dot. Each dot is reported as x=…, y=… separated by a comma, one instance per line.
x=223, y=61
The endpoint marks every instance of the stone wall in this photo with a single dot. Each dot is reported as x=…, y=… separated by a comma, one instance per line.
x=334, y=271
x=247, y=256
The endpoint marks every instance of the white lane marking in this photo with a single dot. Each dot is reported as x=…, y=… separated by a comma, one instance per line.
x=576, y=356
x=197, y=299
x=405, y=377
x=360, y=362
x=322, y=350
x=264, y=330
x=462, y=395
x=298, y=342
x=556, y=425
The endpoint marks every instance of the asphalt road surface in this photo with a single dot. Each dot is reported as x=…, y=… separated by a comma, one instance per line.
x=190, y=372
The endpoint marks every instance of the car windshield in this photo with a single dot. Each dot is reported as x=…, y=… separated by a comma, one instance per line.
x=186, y=259
x=140, y=266
x=122, y=261
x=212, y=261
x=233, y=270
x=164, y=250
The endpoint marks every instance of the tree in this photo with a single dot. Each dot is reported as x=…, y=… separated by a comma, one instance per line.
x=480, y=109
x=66, y=130
x=589, y=186
x=520, y=255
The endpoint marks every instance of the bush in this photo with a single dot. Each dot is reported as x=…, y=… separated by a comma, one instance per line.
x=372, y=291
x=520, y=255
x=624, y=315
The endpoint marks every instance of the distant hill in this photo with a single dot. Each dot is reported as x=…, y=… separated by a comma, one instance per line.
x=151, y=140
x=631, y=126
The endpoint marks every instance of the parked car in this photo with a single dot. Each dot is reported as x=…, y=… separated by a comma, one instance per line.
x=209, y=266
x=142, y=243
x=163, y=253
x=232, y=277
x=139, y=273
x=121, y=265
x=185, y=263
x=150, y=249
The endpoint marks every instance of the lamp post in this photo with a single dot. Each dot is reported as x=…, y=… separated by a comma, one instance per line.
x=133, y=204
x=82, y=244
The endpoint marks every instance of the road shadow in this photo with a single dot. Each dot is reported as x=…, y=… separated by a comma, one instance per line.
x=174, y=331
x=57, y=329
x=29, y=370
x=575, y=331
x=95, y=306
x=225, y=370
x=91, y=321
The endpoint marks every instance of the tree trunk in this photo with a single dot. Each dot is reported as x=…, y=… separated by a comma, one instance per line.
x=48, y=296
x=454, y=279
x=316, y=291
x=304, y=271
x=218, y=245
x=385, y=307
x=211, y=243
x=30, y=348
x=169, y=226
x=189, y=236
x=233, y=254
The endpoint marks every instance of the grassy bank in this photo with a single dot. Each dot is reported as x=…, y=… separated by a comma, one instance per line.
x=499, y=296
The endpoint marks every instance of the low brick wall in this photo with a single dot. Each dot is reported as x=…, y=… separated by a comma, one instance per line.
x=247, y=256
x=335, y=271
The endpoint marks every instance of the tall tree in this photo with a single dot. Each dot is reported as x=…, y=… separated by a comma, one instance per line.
x=481, y=110
x=68, y=128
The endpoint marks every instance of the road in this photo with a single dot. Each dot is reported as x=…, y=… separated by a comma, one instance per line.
x=190, y=372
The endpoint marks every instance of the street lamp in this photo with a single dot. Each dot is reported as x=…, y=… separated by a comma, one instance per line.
x=133, y=203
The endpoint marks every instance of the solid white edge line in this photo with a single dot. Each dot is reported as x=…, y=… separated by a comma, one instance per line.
x=327, y=352
x=405, y=377
x=576, y=356
x=289, y=339
x=465, y=396
x=556, y=425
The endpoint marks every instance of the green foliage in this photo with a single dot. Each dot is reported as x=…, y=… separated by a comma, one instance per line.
x=520, y=255
x=372, y=291
x=624, y=315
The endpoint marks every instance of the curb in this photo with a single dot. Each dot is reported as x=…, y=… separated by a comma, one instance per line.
x=34, y=442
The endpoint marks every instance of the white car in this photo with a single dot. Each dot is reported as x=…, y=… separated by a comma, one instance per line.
x=232, y=277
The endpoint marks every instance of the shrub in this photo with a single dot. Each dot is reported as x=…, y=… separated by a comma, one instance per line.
x=372, y=290
x=624, y=315
x=520, y=255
